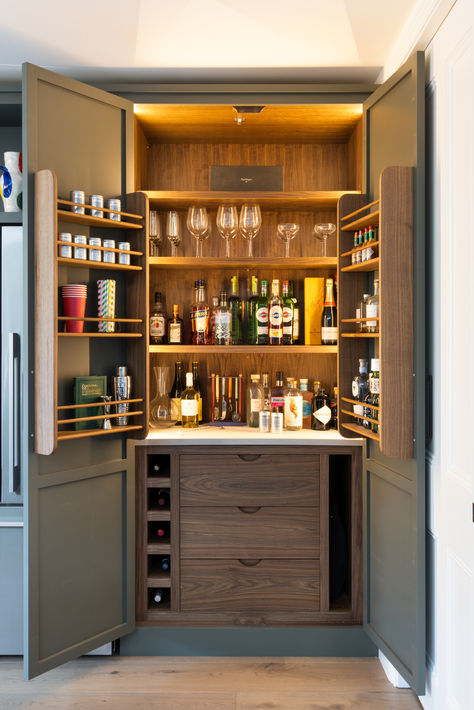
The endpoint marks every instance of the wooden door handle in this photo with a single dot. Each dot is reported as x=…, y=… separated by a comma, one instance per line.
x=249, y=563
x=249, y=457
x=249, y=510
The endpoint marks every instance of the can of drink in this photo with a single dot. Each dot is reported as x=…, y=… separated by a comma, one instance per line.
x=114, y=204
x=97, y=201
x=264, y=422
x=124, y=258
x=77, y=196
x=95, y=254
x=66, y=250
x=277, y=422
x=80, y=252
x=109, y=256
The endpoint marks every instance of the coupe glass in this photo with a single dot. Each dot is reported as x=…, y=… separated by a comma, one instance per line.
x=155, y=233
x=227, y=222
x=198, y=225
x=322, y=232
x=172, y=231
x=250, y=223
x=287, y=232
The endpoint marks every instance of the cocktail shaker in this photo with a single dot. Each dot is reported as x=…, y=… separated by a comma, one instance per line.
x=122, y=390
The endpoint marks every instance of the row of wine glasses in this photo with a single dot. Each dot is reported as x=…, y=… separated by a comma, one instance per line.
x=228, y=223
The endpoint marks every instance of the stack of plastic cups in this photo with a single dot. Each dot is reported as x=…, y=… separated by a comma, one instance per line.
x=74, y=302
x=106, y=304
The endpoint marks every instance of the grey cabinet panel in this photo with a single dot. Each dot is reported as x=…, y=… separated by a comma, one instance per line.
x=11, y=588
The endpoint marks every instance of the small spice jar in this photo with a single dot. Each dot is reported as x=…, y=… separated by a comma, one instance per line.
x=114, y=204
x=96, y=201
x=77, y=196
x=124, y=258
x=109, y=256
x=79, y=251
x=65, y=251
x=95, y=254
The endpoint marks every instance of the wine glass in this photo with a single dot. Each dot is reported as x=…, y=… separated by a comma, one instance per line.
x=322, y=232
x=155, y=233
x=172, y=231
x=250, y=223
x=198, y=224
x=287, y=232
x=227, y=222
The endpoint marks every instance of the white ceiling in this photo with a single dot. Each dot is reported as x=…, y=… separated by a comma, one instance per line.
x=156, y=40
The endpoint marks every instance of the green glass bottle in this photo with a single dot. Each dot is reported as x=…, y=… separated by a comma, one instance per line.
x=288, y=311
x=235, y=305
x=262, y=315
x=252, y=305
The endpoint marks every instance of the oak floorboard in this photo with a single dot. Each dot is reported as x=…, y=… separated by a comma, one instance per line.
x=294, y=700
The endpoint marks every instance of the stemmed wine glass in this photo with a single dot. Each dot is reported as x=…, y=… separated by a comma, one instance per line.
x=155, y=233
x=322, y=232
x=198, y=224
x=250, y=223
x=227, y=222
x=287, y=232
x=172, y=231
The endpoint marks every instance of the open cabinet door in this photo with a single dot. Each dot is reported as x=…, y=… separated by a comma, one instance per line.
x=79, y=501
x=394, y=489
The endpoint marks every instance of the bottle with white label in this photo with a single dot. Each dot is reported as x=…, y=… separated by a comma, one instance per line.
x=288, y=312
x=158, y=322
x=275, y=315
x=372, y=310
x=293, y=411
x=329, y=317
x=360, y=387
x=190, y=404
x=321, y=408
x=255, y=401
x=262, y=315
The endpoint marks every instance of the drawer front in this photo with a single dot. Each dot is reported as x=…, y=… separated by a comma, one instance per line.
x=250, y=585
x=249, y=532
x=249, y=479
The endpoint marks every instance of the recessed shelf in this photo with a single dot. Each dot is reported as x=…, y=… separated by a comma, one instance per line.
x=322, y=199
x=283, y=349
x=361, y=430
x=100, y=335
x=368, y=220
x=371, y=265
x=63, y=435
x=88, y=220
x=304, y=262
x=358, y=249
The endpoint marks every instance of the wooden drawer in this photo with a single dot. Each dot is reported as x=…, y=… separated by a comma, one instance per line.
x=250, y=585
x=249, y=479
x=249, y=532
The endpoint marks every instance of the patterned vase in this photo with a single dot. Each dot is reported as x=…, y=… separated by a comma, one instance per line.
x=11, y=181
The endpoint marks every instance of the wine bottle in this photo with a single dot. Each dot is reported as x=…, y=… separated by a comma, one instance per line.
x=288, y=311
x=176, y=391
x=212, y=324
x=235, y=305
x=158, y=595
x=275, y=315
x=329, y=317
x=165, y=563
x=189, y=404
x=163, y=498
x=262, y=315
x=162, y=531
x=252, y=305
x=197, y=387
x=296, y=312
x=266, y=392
x=175, y=327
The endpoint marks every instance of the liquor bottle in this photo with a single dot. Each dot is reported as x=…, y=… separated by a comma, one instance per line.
x=212, y=325
x=194, y=307
x=176, y=391
x=165, y=563
x=307, y=402
x=175, y=327
x=157, y=322
x=197, y=387
x=252, y=305
x=374, y=387
x=329, y=317
x=266, y=392
x=223, y=322
x=277, y=396
x=361, y=313
x=200, y=316
x=288, y=308
x=293, y=408
x=334, y=408
x=262, y=315
x=367, y=411
x=163, y=498
x=190, y=404
x=372, y=310
x=254, y=401
x=235, y=305
x=321, y=411
x=360, y=386
x=296, y=312
x=275, y=315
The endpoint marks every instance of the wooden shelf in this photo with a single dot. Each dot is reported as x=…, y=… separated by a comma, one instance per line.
x=261, y=349
x=304, y=262
x=356, y=401
x=369, y=219
x=361, y=430
x=364, y=208
x=158, y=548
x=360, y=335
x=88, y=220
x=102, y=320
x=371, y=265
x=63, y=435
x=271, y=200
x=159, y=580
x=100, y=335
x=158, y=482
x=85, y=263
x=365, y=246
x=158, y=515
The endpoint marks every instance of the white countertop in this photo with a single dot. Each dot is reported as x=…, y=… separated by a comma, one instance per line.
x=220, y=435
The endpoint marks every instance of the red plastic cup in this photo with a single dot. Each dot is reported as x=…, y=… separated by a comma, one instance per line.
x=74, y=306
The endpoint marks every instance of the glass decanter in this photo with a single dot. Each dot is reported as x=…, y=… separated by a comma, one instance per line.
x=160, y=411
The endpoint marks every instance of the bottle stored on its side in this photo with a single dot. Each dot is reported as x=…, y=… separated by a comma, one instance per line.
x=200, y=316
x=254, y=401
x=190, y=404
x=165, y=564
x=372, y=310
x=175, y=327
x=223, y=322
x=262, y=315
x=277, y=396
x=296, y=312
x=275, y=315
x=288, y=313
x=162, y=531
x=293, y=408
x=176, y=392
x=197, y=388
x=252, y=305
x=329, y=317
x=158, y=321
x=235, y=306
x=321, y=409
x=163, y=498
x=158, y=596
x=360, y=387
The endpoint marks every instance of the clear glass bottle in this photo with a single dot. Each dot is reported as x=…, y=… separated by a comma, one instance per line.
x=296, y=312
x=223, y=322
x=252, y=305
x=235, y=305
x=190, y=404
x=158, y=322
x=262, y=315
x=266, y=392
x=372, y=310
x=212, y=323
x=293, y=408
x=277, y=395
x=307, y=402
x=361, y=311
x=360, y=387
x=255, y=401
x=288, y=309
x=275, y=315
x=160, y=411
x=175, y=327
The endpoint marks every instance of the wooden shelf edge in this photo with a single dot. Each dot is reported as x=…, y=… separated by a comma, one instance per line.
x=100, y=335
x=236, y=349
x=63, y=435
x=371, y=265
x=361, y=431
x=157, y=581
x=209, y=198
x=86, y=219
x=370, y=219
x=361, y=209
x=85, y=263
x=297, y=262
x=158, y=482
x=360, y=335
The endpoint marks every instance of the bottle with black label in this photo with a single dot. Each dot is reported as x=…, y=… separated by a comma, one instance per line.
x=321, y=420
x=197, y=387
x=275, y=315
x=296, y=312
x=158, y=322
x=277, y=397
x=176, y=392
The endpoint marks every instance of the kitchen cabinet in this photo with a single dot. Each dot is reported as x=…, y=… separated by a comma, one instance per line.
x=80, y=500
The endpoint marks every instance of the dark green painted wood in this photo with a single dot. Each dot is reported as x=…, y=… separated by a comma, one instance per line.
x=394, y=489
x=79, y=502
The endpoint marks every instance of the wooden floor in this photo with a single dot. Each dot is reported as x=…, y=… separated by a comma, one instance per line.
x=155, y=683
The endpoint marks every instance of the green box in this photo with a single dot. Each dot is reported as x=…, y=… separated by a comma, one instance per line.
x=89, y=389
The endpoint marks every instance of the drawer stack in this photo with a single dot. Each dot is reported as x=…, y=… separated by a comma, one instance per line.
x=249, y=529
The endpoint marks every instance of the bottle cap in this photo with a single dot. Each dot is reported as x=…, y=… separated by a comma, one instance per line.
x=255, y=377
x=189, y=379
x=304, y=380
x=375, y=364
x=121, y=370
x=279, y=375
x=316, y=385
x=175, y=308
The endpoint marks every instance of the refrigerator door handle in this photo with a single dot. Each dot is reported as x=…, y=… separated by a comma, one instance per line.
x=13, y=412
